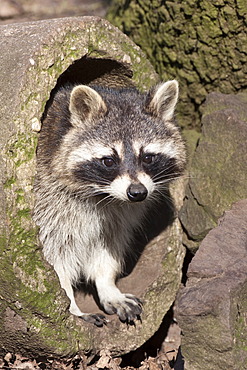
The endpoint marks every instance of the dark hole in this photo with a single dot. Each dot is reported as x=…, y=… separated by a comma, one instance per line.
x=88, y=70
x=187, y=259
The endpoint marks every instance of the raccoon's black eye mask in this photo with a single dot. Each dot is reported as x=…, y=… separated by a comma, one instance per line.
x=98, y=171
x=159, y=167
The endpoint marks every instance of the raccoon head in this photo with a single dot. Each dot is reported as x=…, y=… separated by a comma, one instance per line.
x=122, y=144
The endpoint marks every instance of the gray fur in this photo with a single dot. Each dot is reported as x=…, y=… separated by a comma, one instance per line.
x=91, y=155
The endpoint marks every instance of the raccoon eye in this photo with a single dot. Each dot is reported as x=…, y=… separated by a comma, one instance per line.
x=108, y=161
x=148, y=158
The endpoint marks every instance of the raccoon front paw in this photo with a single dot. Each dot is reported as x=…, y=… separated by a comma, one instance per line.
x=128, y=308
x=96, y=319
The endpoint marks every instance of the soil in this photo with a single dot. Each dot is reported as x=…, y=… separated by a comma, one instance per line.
x=162, y=350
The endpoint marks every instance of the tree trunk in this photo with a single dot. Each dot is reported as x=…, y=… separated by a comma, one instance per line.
x=202, y=44
x=35, y=57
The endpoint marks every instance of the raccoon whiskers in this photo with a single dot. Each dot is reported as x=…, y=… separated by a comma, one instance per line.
x=163, y=173
x=105, y=201
x=110, y=200
x=89, y=192
x=162, y=195
x=85, y=194
x=169, y=178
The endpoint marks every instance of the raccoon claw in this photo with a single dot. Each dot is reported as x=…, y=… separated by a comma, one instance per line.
x=128, y=309
x=134, y=298
x=96, y=319
x=130, y=314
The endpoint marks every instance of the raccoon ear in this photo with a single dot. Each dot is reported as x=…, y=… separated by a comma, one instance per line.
x=85, y=103
x=162, y=99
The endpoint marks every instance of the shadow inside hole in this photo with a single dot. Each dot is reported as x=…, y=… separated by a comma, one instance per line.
x=95, y=71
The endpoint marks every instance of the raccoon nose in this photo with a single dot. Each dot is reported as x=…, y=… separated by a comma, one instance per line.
x=136, y=192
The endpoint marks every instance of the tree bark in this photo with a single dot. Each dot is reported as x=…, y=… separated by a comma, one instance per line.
x=202, y=44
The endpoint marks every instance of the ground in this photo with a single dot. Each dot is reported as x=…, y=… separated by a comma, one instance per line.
x=164, y=360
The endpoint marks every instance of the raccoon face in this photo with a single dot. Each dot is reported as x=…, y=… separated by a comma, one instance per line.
x=118, y=173
x=125, y=149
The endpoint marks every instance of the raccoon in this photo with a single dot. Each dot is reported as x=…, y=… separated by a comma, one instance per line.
x=104, y=159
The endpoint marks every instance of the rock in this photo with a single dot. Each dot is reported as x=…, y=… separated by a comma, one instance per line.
x=36, y=58
x=212, y=308
x=219, y=166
